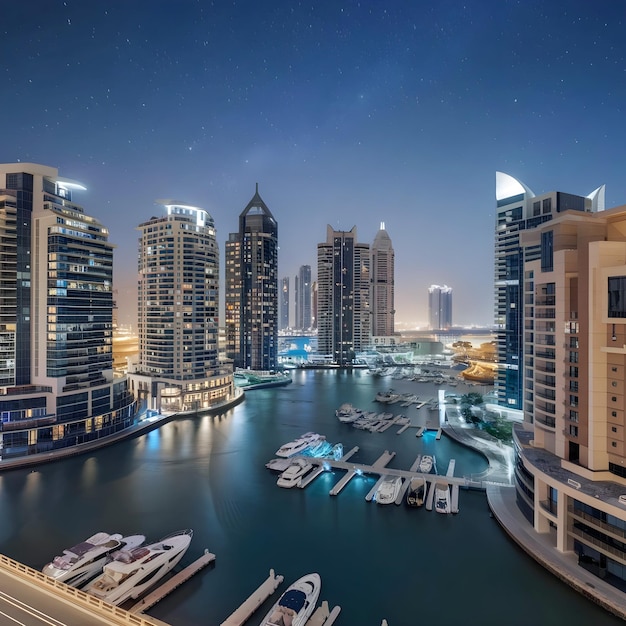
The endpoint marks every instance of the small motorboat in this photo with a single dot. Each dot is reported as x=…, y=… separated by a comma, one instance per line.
x=297, y=604
x=416, y=494
x=442, y=498
x=426, y=464
x=292, y=476
x=388, y=490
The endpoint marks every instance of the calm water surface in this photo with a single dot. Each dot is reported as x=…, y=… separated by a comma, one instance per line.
x=407, y=566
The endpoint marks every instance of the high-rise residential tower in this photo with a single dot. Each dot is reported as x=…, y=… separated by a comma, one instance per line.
x=252, y=289
x=284, y=303
x=440, y=307
x=57, y=386
x=343, y=292
x=570, y=469
x=178, y=368
x=519, y=210
x=303, y=298
x=382, y=269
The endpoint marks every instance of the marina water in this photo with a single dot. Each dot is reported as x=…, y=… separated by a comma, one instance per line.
x=207, y=473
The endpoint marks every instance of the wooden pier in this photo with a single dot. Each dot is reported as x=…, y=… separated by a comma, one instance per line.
x=174, y=582
x=254, y=601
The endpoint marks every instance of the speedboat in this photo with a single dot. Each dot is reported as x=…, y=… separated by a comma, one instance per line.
x=416, y=494
x=295, y=606
x=292, y=476
x=426, y=464
x=347, y=413
x=80, y=563
x=388, y=490
x=442, y=498
x=132, y=572
x=299, y=445
x=386, y=396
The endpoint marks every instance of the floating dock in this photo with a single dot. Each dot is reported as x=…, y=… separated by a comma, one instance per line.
x=349, y=475
x=373, y=490
x=438, y=437
x=174, y=582
x=431, y=495
x=420, y=431
x=245, y=611
x=408, y=425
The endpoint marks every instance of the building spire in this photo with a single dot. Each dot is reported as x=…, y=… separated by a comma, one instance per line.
x=382, y=226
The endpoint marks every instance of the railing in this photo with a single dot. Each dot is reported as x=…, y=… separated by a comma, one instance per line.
x=605, y=547
x=594, y=521
x=550, y=422
x=114, y=614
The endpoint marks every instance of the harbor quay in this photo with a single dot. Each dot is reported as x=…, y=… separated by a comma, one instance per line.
x=236, y=487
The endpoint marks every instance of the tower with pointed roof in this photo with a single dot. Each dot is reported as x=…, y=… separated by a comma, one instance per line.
x=251, y=294
x=382, y=268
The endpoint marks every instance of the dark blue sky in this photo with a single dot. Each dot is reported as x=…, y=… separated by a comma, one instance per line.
x=346, y=114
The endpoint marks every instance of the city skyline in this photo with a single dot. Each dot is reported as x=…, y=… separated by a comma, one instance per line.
x=344, y=115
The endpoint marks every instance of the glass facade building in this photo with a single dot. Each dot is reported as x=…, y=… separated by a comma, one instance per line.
x=57, y=386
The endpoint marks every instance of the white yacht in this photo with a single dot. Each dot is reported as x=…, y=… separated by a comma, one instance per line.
x=292, y=476
x=426, y=464
x=299, y=445
x=80, y=563
x=442, y=498
x=132, y=572
x=388, y=490
x=347, y=413
x=297, y=604
x=386, y=396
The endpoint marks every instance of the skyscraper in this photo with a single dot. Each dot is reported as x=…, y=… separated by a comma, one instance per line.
x=178, y=368
x=570, y=465
x=303, y=298
x=252, y=289
x=57, y=385
x=382, y=267
x=284, y=303
x=440, y=307
x=343, y=292
x=519, y=210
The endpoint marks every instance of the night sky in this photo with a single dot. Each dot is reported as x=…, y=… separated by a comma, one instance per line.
x=345, y=113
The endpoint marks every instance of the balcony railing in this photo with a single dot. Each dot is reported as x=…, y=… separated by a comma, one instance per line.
x=598, y=543
x=550, y=506
x=594, y=521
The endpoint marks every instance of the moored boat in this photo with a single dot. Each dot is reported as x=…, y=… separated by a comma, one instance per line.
x=442, y=498
x=416, y=494
x=347, y=413
x=82, y=562
x=299, y=445
x=292, y=476
x=132, y=572
x=297, y=604
x=388, y=490
x=426, y=464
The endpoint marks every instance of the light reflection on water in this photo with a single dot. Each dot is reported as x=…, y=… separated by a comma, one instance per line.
x=208, y=473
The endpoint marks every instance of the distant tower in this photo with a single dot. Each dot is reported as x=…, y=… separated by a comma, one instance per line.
x=252, y=289
x=440, y=307
x=284, y=303
x=314, y=305
x=382, y=265
x=178, y=366
x=343, y=308
x=303, y=298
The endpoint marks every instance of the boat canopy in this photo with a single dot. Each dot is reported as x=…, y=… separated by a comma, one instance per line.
x=293, y=599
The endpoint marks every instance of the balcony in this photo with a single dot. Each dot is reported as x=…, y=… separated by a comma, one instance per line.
x=550, y=506
x=545, y=420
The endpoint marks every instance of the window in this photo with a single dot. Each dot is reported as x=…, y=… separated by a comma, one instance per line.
x=614, y=383
x=614, y=444
x=573, y=357
x=573, y=371
x=613, y=398
x=613, y=413
x=614, y=369
x=614, y=429
x=573, y=415
x=617, y=296
x=573, y=400
x=536, y=208
x=547, y=251
x=547, y=206
x=573, y=430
